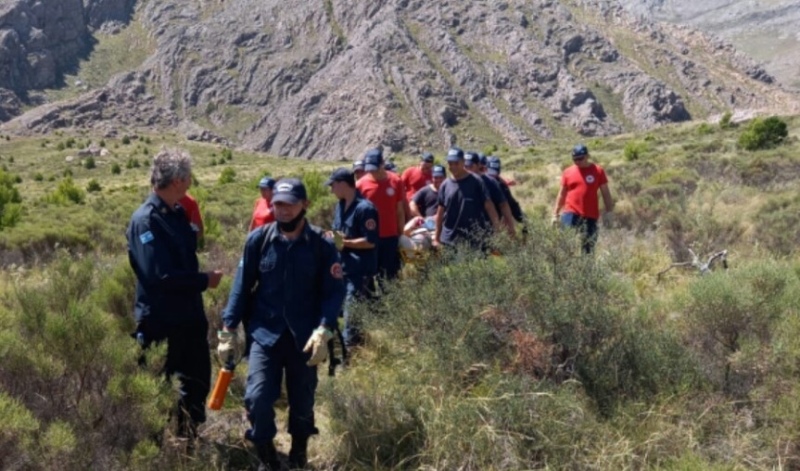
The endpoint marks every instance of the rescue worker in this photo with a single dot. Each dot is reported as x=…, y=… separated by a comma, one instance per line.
x=358, y=169
x=299, y=289
x=262, y=208
x=356, y=222
x=418, y=177
x=466, y=213
x=493, y=169
x=578, y=197
x=424, y=202
x=169, y=304
x=385, y=191
x=472, y=165
x=192, y=210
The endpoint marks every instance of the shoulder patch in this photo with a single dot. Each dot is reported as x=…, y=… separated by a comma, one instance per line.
x=336, y=271
x=146, y=237
x=370, y=224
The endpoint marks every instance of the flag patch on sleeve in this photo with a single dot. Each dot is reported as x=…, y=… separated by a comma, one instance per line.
x=146, y=237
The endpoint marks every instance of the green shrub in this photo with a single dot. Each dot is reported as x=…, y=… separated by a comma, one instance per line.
x=322, y=201
x=126, y=140
x=228, y=175
x=89, y=163
x=725, y=121
x=634, y=150
x=776, y=224
x=70, y=143
x=60, y=146
x=226, y=154
x=116, y=169
x=10, y=200
x=93, y=186
x=66, y=193
x=763, y=134
x=38, y=177
x=704, y=129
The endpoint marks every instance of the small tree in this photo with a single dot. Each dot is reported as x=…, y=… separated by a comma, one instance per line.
x=93, y=186
x=763, y=134
x=89, y=163
x=228, y=175
x=116, y=169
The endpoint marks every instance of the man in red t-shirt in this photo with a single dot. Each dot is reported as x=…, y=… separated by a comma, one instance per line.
x=417, y=178
x=192, y=210
x=386, y=192
x=578, y=197
x=262, y=208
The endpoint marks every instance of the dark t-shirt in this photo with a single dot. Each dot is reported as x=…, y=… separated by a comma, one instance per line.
x=464, y=218
x=516, y=210
x=495, y=193
x=426, y=200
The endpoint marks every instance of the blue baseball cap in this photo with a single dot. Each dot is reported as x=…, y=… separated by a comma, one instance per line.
x=426, y=157
x=579, y=151
x=289, y=190
x=390, y=167
x=471, y=158
x=267, y=182
x=373, y=160
x=358, y=164
x=493, y=166
x=455, y=154
x=342, y=175
x=483, y=159
x=438, y=171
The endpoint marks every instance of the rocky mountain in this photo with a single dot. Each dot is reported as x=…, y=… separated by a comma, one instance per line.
x=767, y=30
x=328, y=79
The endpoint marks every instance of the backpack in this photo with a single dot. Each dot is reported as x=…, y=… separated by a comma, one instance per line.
x=268, y=232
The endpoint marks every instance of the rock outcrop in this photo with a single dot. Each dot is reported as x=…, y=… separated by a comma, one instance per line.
x=292, y=78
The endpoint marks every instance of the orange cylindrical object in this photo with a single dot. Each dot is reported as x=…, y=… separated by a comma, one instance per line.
x=220, y=389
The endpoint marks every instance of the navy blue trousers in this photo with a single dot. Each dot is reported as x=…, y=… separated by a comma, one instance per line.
x=388, y=257
x=188, y=359
x=267, y=366
x=587, y=228
x=358, y=288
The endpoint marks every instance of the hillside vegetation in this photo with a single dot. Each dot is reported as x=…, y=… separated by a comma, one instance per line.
x=537, y=359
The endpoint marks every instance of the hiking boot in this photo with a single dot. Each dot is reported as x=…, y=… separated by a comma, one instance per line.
x=298, y=454
x=268, y=456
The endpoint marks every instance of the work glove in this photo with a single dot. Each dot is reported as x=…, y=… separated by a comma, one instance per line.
x=555, y=221
x=338, y=240
x=608, y=219
x=228, y=347
x=318, y=346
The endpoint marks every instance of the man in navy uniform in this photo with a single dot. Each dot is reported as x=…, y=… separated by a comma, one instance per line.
x=472, y=163
x=493, y=168
x=355, y=229
x=299, y=289
x=169, y=306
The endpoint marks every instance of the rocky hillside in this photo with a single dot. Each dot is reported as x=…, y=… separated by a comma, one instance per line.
x=767, y=30
x=328, y=79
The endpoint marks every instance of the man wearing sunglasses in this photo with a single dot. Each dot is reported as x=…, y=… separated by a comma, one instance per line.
x=577, y=203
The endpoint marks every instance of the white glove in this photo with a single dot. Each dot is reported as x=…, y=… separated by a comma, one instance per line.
x=318, y=346
x=608, y=219
x=555, y=221
x=228, y=347
x=338, y=240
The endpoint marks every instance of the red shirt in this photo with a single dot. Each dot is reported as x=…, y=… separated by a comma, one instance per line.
x=384, y=194
x=192, y=210
x=582, y=185
x=414, y=179
x=262, y=214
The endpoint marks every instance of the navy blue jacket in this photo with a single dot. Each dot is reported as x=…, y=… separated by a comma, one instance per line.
x=162, y=252
x=359, y=220
x=296, y=290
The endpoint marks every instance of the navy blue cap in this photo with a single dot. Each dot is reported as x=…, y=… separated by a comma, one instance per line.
x=438, y=171
x=358, y=164
x=580, y=151
x=373, y=160
x=493, y=166
x=342, y=175
x=483, y=159
x=390, y=166
x=455, y=154
x=471, y=158
x=426, y=157
x=267, y=182
x=289, y=190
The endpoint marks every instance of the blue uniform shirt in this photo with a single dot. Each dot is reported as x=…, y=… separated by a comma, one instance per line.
x=296, y=290
x=162, y=252
x=357, y=221
x=464, y=216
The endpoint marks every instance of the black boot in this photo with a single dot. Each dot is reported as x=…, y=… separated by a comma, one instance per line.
x=268, y=456
x=298, y=455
